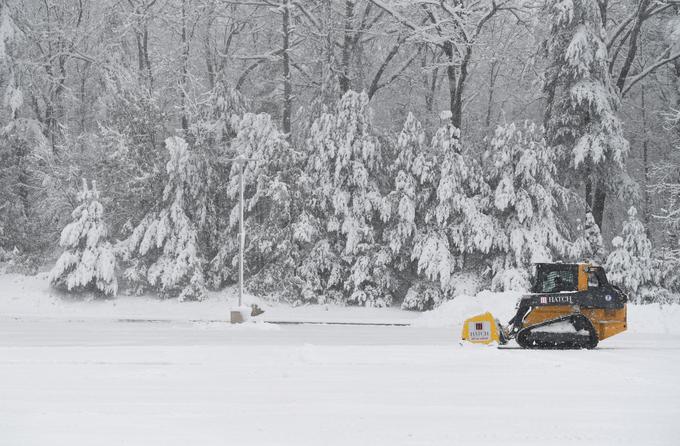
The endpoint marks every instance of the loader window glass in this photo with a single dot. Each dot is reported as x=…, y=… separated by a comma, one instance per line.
x=556, y=280
x=592, y=280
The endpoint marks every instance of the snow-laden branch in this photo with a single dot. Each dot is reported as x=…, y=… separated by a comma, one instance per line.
x=308, y=15
x=260, y=4
x=395, y=14
x=661, y=61
x=644, y=11
x=620, y=29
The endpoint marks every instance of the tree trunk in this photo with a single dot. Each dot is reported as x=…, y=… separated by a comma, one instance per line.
x=375, y=83
x=452, y=78
x=599, y=200
x=287, y=89
x=603, y=5
x=676, y=82
x=645, y=158
x=143, y=60
x=632, y=46
x=209, y=60
x=457, y=110
x=429, y=80
x=185, y=69
x=493, y=72
x=147, y=60
x=347, y=47
x=141, y=30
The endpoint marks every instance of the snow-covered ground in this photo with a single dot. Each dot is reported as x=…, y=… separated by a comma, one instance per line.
x=136, y=371
x=32, y=296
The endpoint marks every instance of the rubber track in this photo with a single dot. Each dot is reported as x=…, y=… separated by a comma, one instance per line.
x=567, y=342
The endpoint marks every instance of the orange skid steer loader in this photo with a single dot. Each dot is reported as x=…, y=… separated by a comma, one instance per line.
x=571, y=306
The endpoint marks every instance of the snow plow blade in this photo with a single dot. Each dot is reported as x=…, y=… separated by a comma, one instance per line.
x=482, y=329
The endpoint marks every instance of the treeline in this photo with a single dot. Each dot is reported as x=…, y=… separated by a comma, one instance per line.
x=359, y=188
x=348, y=217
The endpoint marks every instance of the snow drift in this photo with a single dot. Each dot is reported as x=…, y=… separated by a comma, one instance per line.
x=652, y=318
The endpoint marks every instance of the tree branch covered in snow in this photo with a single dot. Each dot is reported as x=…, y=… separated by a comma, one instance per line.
x=88, y=262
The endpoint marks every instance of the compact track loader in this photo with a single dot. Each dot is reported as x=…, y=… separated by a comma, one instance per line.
x=571, y=306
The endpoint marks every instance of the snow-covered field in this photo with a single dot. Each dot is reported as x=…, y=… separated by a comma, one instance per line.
x=136, y=371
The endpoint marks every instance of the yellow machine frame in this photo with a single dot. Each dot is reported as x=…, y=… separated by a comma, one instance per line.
x=606, y=322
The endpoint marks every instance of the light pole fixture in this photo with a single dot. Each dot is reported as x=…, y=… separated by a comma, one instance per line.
x=239, y=315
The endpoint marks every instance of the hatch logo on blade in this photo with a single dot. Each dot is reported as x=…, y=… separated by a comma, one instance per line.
x=479, y=331
x=556, y=300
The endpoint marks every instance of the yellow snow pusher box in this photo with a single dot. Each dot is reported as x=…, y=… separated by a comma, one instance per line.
x=571, y=305
x=482, y=329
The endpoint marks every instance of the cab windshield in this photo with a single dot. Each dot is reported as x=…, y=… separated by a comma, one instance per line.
x=555, y=278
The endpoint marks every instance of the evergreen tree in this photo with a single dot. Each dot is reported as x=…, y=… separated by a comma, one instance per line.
x=594, y=237
x=423, y=296
x=271, y=251
x=589, y=245
x=130, y=145
x=212, y=130
x=164, y=249
x=23, y=227
x=411, y=148
x=666, y=187
x=619, y=263
x=630, y=263
x=412, y=201
x=88, y=262
x=15, y=179
x=666, y=276
x=580, y=245
x=452, y=227
x=525, y=197
x=581, y=120
x=462, y=226
x=216, y=121
x=346, y=208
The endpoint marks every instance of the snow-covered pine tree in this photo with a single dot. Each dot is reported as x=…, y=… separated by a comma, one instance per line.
x=271, y=251
x=666, y=187
x=630, y=263
x=164, y=249
x=525, y=196
x=619, y=263
x=324, y=100
x=346, y=208
x=130, y=146
x=581, y=120
x=413, y=201
x=595, y=240
x=458, y=226
x=22, y=225
x=580, y=246
x=15, y=188
x=216, y=121
x=88, y=262
x=212, y=129
x=410, y=163
x=665, y=279
x=589, y=245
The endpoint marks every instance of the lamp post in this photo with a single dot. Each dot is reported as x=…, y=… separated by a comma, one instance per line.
x=237, y=316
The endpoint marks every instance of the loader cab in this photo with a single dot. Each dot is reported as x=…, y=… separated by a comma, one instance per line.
x=568, y=277
x=556, y=278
